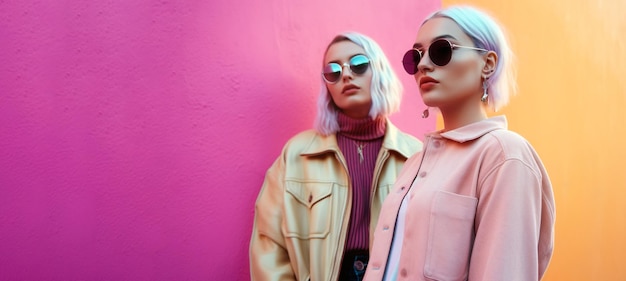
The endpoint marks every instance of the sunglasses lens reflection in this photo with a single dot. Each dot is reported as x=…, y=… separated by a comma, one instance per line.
x=332, y=72
x=359, y=64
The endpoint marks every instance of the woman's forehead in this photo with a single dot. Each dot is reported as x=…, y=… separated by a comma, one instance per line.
x=342, y=51
x=440, y=27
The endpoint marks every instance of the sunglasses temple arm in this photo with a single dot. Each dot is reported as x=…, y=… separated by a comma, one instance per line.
x=468, y=47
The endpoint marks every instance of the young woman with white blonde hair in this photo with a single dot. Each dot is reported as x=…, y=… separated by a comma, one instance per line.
x=477, y=202
x=320, y=199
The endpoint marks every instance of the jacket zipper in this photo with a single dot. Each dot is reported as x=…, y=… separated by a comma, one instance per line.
x=344, y=225
x=374, y=187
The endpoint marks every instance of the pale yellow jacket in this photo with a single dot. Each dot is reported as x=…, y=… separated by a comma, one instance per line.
x=303, y=209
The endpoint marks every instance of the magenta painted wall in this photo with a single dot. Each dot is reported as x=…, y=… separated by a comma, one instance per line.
x=134, y=135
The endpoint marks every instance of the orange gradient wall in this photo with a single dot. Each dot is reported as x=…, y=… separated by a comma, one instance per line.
x=571, y=58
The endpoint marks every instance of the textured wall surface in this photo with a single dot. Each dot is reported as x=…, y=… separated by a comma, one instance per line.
x=134, y=135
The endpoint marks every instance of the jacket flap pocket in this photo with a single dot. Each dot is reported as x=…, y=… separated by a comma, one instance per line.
x=309, y=193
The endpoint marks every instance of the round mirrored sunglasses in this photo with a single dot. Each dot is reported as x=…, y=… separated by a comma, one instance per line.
x=333, y=71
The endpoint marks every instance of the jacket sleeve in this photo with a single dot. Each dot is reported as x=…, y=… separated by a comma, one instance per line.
x=269, y=259
x=509, y=225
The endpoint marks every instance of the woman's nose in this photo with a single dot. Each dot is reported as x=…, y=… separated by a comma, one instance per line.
x=425, y=63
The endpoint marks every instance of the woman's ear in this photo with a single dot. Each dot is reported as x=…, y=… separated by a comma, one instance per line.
x=491, y=60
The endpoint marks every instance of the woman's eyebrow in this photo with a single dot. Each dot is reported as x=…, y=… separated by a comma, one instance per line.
x=445, y=36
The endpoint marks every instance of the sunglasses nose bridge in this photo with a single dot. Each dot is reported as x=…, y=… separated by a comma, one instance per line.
x=345, y=72
x=425, y=61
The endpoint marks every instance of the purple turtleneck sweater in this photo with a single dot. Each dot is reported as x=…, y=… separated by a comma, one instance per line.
x=360, y=141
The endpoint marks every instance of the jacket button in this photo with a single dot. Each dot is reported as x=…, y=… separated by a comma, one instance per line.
x=310, y=198
x=403, y=272
x=359, y=265
x=423, y=174
x=385, y=227
x=437, y=144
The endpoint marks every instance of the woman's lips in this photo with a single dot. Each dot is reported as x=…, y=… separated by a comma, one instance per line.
x=426, y=83
x=427, y=86
x=350, y=89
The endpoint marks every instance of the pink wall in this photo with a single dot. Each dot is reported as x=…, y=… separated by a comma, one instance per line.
x=134, y=135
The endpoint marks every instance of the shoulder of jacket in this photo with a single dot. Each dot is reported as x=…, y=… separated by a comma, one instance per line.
x=303, y=138
x=409, y=138
x=405, y=143
x=301, y=141
x=508, y=140
x=511, y=145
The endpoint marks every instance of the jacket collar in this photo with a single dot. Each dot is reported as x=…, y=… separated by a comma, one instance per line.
x=392, y=141
x=475, y=130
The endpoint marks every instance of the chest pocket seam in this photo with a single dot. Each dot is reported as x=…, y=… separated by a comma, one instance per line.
x=310, y=196
x=309, y=214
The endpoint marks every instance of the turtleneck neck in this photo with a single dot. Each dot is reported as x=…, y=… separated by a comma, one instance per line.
x=360, y=142
x=363, y=129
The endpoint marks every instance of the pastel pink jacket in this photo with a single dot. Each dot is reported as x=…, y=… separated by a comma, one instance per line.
x=480, y=207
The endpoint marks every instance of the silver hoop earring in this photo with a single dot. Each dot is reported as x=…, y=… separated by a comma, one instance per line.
x=425, y=113
x=485, y=94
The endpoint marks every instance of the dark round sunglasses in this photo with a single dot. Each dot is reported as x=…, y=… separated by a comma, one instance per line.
x=440, y=53
x=358, y=65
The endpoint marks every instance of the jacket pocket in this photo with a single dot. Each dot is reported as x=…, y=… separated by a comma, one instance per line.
x=308, y=208
x=450, y=236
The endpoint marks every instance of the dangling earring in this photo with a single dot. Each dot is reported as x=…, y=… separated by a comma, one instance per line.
x=425, y=113
x=485, y=94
